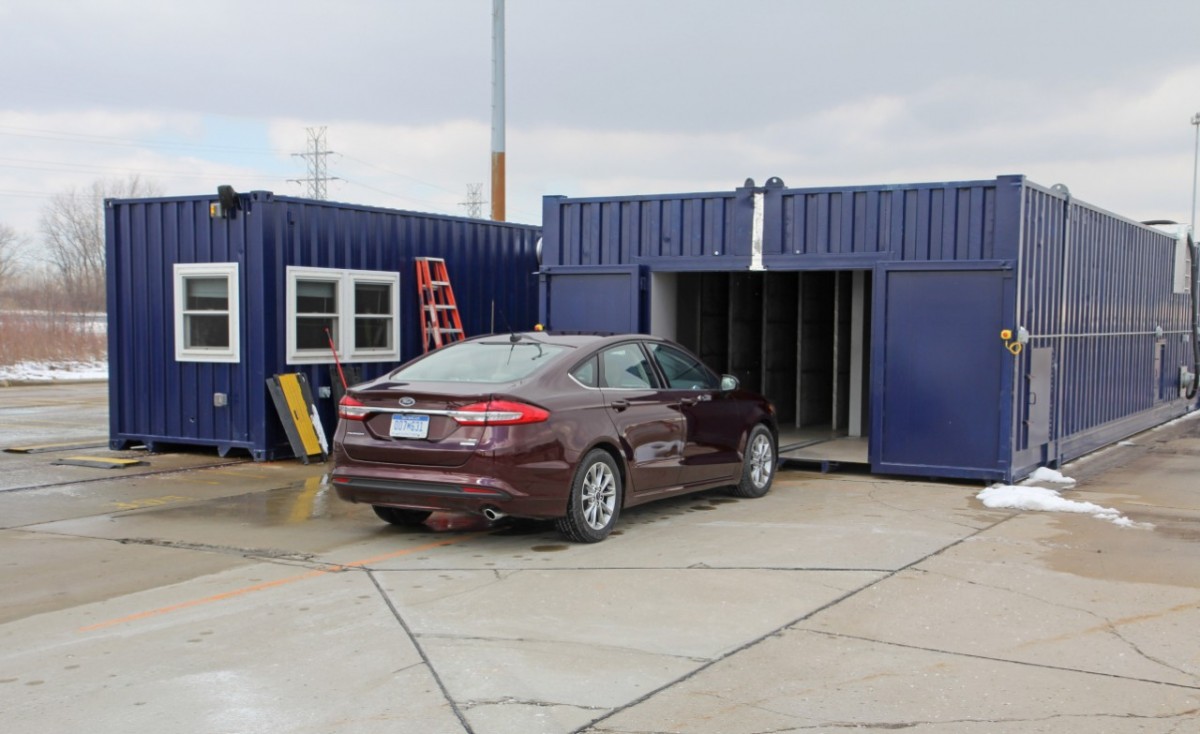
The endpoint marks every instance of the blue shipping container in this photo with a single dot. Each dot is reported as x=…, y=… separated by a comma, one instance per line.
x=974, y=329
x=203, y=309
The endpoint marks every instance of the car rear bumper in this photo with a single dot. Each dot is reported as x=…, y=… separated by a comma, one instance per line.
x=537, y=494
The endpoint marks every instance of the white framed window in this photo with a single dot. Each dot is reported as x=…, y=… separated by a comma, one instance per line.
x=358, y=309
x=207, y=312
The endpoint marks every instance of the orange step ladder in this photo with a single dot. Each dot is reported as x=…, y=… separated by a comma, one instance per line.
x=440, y=322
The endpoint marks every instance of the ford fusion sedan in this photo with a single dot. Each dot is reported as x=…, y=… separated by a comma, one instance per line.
x=567, y=427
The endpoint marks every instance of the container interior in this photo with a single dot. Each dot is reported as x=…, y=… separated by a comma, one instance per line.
x=799, y=337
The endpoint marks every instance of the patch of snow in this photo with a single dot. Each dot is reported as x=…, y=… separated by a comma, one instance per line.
x=54, y=371
x=1043, y=499
x=1046, y=474
x=1126, y=443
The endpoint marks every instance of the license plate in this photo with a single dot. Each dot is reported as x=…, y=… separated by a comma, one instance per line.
x=410, y=426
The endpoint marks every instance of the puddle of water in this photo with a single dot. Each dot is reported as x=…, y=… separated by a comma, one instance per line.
x=513, y=526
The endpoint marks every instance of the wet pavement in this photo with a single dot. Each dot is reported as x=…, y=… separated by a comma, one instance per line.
x=200, y=595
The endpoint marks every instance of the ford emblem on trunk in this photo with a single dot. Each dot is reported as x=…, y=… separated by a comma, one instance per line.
x=407, y=402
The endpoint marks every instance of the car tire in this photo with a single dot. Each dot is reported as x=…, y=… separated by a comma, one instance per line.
x=401, y=517
x=594, y=501
x=758, y=466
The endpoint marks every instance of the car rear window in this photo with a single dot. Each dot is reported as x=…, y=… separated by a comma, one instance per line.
x=481, y=362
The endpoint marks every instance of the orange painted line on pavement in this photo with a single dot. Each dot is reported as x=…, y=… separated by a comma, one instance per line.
x=272, y=584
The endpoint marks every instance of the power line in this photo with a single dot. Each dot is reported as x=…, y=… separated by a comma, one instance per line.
x=394, y=173
x=56, y=167
x=437, y=205
x=66, y=137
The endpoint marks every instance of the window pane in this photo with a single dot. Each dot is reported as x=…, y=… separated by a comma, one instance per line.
x=682, y=371
x=206, y=294
x=626, y=367
x=205, y=331
x=586, y=373
x=481, y=362
x=310, y=332
x=372, y=298
x=316, y=296
x=372, y=333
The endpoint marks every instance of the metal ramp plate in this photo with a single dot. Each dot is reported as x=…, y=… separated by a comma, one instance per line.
x=47, y=447
x=98, y=462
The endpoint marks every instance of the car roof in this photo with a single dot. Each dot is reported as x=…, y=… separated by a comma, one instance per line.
x=567, y=338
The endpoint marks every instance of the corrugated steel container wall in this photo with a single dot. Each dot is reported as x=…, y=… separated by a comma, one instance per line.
x=620, y=230
x=812, y=227
x=1095, y=288
x=151, y=396
x=919, y=222
x=155, y=398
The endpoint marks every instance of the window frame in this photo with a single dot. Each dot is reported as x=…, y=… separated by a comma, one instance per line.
x=345, y=316
x=229, y=271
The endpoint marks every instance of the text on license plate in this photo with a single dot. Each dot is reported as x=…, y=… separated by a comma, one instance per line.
x=410, y=426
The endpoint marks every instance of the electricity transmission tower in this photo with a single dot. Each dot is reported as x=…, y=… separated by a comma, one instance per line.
x=314, y=157
x=474, y=202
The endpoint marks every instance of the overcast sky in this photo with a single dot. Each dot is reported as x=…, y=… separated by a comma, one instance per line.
x=605, y=97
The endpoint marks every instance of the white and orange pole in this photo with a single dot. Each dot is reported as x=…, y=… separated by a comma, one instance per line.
x=498, y=110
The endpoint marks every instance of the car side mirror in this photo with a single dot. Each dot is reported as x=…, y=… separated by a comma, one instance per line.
x=729, y=383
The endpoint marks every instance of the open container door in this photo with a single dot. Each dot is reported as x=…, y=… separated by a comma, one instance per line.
x=593, y=298
x=939, y=398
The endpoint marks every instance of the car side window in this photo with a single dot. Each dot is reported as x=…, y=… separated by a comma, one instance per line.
x=625, y=367
x=587, y=374
x=683, y=371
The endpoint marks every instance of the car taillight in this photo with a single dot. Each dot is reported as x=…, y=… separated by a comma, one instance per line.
x=499, y=413
x=351, y=409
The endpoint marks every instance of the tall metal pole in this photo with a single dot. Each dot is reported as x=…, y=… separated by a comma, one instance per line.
x=498, y=110
x=1195, y=167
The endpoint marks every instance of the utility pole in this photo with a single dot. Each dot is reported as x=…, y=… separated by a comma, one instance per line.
x=498, y=110
x=314, y=157
x=474, y=202
x=1195, y=168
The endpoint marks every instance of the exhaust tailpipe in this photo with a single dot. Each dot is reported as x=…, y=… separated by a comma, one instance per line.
x=493, y=514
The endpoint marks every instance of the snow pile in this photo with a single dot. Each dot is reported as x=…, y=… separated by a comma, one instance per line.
x=1043, y=499
x=54, y=371
x=1046, y=474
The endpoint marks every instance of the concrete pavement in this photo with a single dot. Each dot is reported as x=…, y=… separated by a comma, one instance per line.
x=246, y=598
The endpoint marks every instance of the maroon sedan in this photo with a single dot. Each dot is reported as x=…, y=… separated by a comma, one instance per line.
x=542, y=425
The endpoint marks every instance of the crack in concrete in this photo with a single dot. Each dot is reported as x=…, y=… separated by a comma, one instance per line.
x=1183, y=716
x=265, y=554
x=1106, y=625
x=513, y=701
x=994, y=659
x=558, y=643
x=437, y=678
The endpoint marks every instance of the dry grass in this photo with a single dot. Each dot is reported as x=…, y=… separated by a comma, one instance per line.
x=45, y=336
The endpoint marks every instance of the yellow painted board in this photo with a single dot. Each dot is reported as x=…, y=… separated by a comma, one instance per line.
x=298, y=407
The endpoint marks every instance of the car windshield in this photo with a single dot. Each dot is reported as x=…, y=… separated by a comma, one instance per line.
x=498, y=361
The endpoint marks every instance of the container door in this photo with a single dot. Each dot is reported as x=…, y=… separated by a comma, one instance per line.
x=939, y=375
x=594, y=299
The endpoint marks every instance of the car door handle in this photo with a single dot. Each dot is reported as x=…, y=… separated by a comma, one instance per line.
x=689, y=401
x=619, y=404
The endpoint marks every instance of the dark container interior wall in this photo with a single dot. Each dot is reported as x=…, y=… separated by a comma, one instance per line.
x=785, y=334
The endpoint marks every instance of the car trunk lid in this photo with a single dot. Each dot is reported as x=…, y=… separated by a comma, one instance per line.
x=415, y=426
